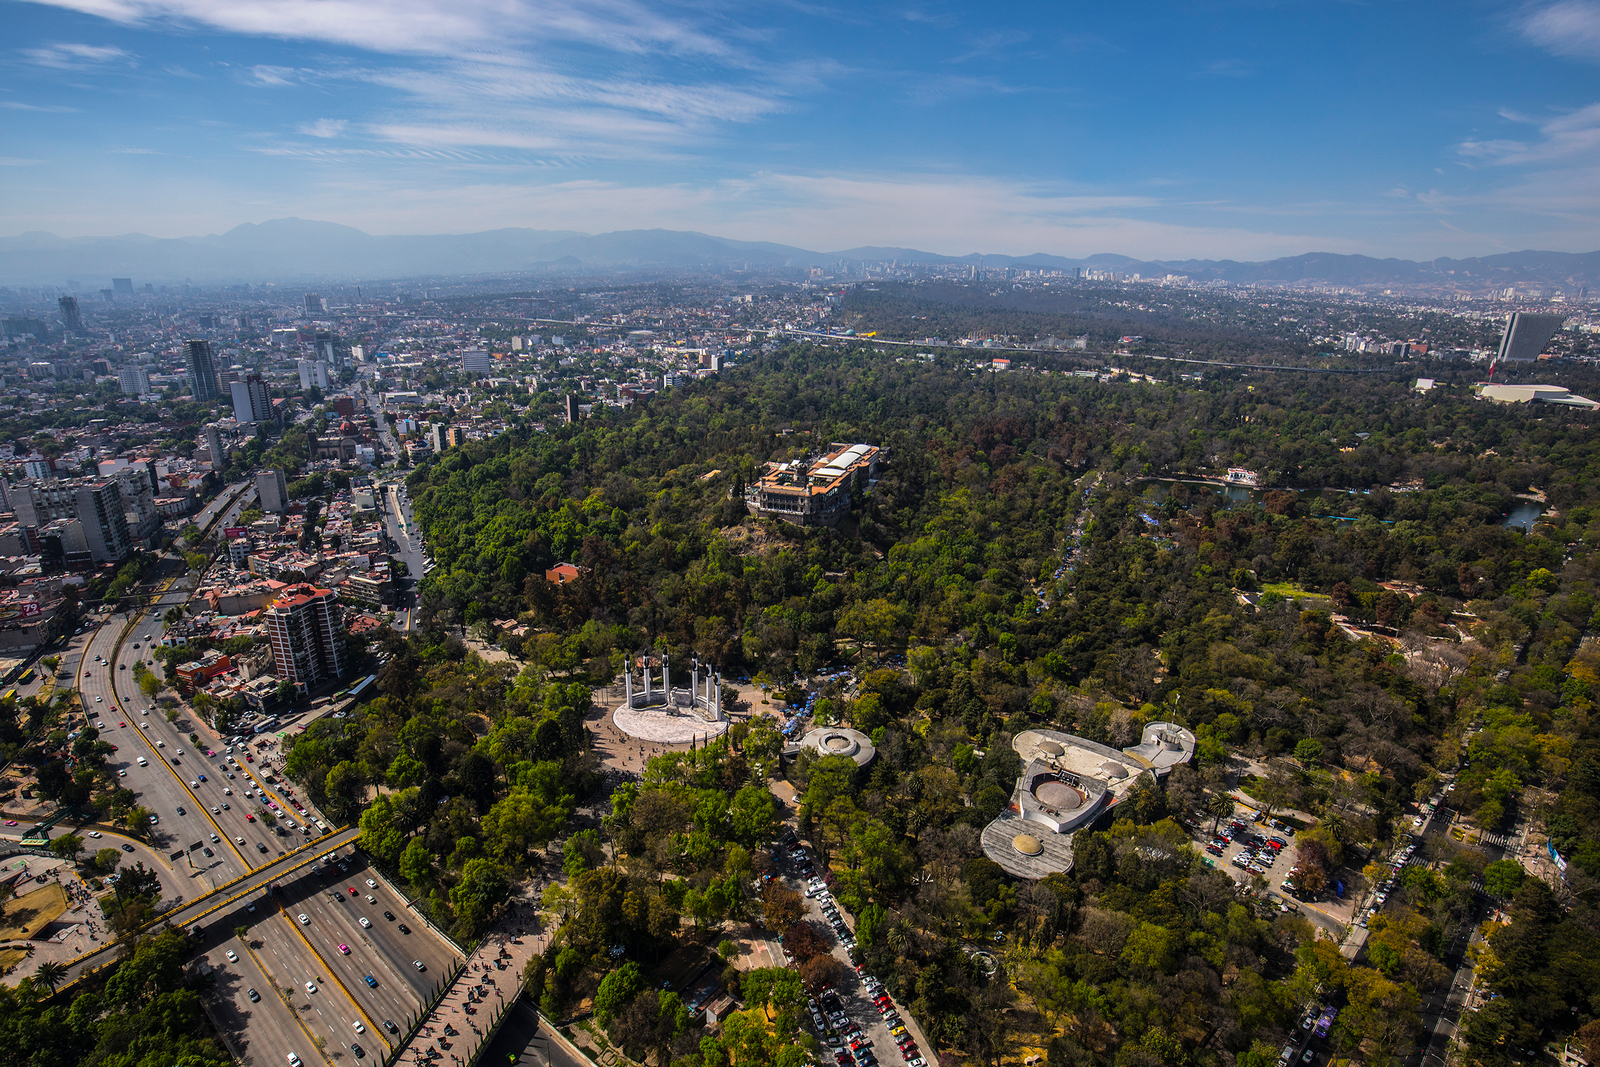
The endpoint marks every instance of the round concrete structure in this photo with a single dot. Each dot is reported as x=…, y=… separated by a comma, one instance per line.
x=840, y=741
x=662, y=725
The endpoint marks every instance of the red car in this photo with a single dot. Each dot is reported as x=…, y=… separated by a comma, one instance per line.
x=249, y=817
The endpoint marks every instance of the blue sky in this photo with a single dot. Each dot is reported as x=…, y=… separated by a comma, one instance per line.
x=1244, y=129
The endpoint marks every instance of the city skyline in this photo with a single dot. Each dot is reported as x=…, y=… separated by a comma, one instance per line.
x=1246, y=131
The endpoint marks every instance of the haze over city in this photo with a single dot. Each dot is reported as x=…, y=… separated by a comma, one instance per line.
x=1170, y=130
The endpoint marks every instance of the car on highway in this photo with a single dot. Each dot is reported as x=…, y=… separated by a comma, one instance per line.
x=404, y=929
x=356, y=1050
x=366, y=922
x=261, y=848
x=311, y=987
x=208, y=853
x=294, y=1061
x=144, y=726
x=155, y=819
x=182, y=812
x=99, y=700
x=305, y=920
x=123, y=725
x=233, y=957
x=344, y=950
x=127, y=848
x=418, y=965
x=215, y=810
x=94, y=833
x=371, y=981
x=249, y=816
x=371, y=884
x=252, y=994
x=389, y=915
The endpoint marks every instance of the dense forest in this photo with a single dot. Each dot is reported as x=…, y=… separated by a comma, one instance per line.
x=1361, y=626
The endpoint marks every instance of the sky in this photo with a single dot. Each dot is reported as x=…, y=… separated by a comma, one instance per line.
x=1210, y=129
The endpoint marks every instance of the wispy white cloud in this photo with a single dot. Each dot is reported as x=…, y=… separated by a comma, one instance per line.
x=423, y=26
x=1567, y=28
x=270, y=76
x=1573, y=135
x=325, y=128
x=1230, y=68
x=18, y=105
x=991, y=43
x=72, y=56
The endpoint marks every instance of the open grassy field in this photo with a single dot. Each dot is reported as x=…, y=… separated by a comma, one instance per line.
x=23, y=917
x=1290, y=591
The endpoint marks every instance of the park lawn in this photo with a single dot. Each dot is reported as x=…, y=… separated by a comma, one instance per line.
x=10, y=957
x=1291, y=591
x=23, y=917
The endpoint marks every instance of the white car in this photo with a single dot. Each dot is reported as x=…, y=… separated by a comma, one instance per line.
x=144, y=726
x=294, y=1061
x=371, y=884
x=213, y=839
x=94, y=833
x=366, y=922
x=311, y=987
x=161, y=744
x=359, y=1028
x=305, y=920
x=233, y=957
x=239, y=840
x=99, y=700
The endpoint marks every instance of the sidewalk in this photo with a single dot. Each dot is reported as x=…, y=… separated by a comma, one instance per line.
x=491, y=979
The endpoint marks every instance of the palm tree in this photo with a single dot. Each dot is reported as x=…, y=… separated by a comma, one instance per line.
x=1219, y=806
x=50, y=974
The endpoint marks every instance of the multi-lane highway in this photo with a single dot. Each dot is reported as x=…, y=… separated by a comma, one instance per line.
x=204, y=797
x=334, y=924
x=209, y=801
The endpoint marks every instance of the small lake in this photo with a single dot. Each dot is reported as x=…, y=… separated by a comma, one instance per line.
x=1524, y=515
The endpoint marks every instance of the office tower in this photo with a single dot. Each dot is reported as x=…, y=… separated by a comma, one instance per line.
x=273, y=490
x=313, y=372
x=202, y=370
x=572, y=408
x=5, y=495
x=306, y=625
x=99, y=508
x=436, y=436
x=134, y=381
x=122, y=286
x=315, y=305
x=1526, y=335
x=475, y=361
x=252, y=400
x=70, y=315
x=213, y=437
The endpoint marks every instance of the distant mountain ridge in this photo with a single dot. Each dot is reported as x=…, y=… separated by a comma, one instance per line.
x=299, y=250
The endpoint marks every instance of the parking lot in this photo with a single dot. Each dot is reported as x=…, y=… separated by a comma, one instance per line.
x=857, y=1023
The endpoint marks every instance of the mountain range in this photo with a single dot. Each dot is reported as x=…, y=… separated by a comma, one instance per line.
x=298, y=250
